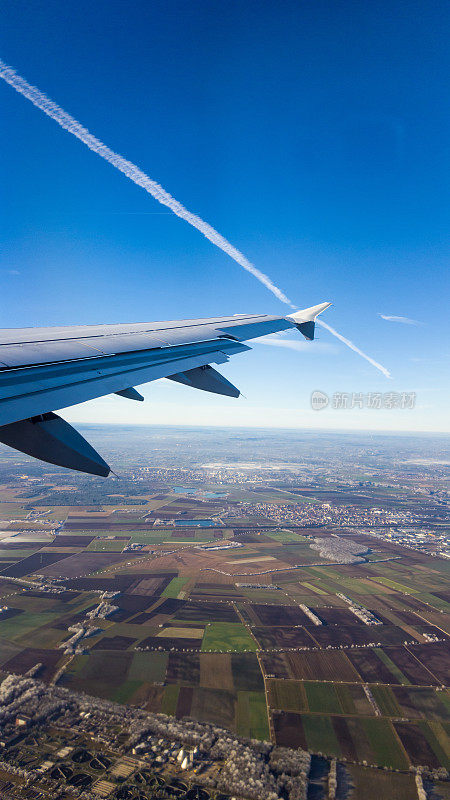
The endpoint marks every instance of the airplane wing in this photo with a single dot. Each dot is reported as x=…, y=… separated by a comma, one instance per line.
x=46, y=368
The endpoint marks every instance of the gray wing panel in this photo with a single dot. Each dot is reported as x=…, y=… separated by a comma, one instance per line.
x=30, y=391
x=43, y=369
x=82, y=332
x=253, y=329
x=46, y=351
x=30, y=346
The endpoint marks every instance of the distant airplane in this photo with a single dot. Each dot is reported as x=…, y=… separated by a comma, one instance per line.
x=46, y=368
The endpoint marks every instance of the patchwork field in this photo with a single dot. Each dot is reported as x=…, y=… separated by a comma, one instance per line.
x=261, y=638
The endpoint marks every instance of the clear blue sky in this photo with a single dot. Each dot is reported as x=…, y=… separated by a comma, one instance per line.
x=313, y=135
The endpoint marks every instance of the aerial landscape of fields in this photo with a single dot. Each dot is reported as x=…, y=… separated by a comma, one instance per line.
x=310, y=612
x=224, y=400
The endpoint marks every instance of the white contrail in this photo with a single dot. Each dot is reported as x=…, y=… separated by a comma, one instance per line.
x=40, y=100
x=403, y=320
x=280, y=340
x=355, y=348
x=70, y=124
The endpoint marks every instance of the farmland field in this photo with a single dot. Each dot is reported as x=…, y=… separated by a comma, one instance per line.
x=375, y=784
x=252, y=715
x=238, y=636
x=320, y=734
x=287, y=695
x=227, y=636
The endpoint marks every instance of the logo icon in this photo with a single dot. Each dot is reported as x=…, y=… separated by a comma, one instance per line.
x=319, y=400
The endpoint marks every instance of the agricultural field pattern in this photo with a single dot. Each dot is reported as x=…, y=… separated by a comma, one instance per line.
x=289, y=588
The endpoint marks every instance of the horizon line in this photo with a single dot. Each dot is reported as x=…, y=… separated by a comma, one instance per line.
x=261, y=428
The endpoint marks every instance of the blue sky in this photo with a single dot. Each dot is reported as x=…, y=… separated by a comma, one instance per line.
x=313, y=135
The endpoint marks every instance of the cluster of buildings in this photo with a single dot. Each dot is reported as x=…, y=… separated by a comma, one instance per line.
x=430, y=541
x=359, y=611
x=322, y=514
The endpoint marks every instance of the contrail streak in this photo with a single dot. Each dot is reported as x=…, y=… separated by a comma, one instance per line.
x=55, y=112
x=355, y=348
x=40, y=100
x=404, y=320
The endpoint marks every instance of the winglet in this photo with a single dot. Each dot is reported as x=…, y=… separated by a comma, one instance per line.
x=304, y=320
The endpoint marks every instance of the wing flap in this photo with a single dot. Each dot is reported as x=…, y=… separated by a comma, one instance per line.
x=131, y=394
x=207, y=379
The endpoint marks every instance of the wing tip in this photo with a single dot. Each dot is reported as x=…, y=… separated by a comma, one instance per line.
x=308, y=314
x=304, y=320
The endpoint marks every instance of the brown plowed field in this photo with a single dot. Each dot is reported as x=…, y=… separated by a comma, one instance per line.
x=183, y=668
x=79, y=564
x=370, y=667
x=215, y=671
x=344, y=738
x=114, y=643
x=289, y=729
x=31, y=656
x=37, y=563
x=437, y=658
x=416, y=745
x=321, y=666
x=409, y=662
x=184, y=702
x=283, y=637
x=277, y=615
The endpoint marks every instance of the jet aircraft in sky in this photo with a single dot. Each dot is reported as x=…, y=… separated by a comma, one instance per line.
x=46, y=368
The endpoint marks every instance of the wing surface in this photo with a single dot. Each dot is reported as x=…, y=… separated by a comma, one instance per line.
x=42, y=369
x=46, y=368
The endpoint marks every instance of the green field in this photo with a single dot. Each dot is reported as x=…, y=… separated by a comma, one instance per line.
x=149, y=667
x=286, y=536
x=148, y=537
x=125, y=691
x=386, y=701
x=251, y=715
x=353, y=699
x=399, y=587
x=438, y=740
x=106, y=546
x=314, y=589
x=385, y=745
x=23, y=625
x=170, y=699
x=320, y=735
x=288, y=695
x=174, y=587
x=322, y=697
x=338, y=698
x=227, y=636
x=16, y=554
